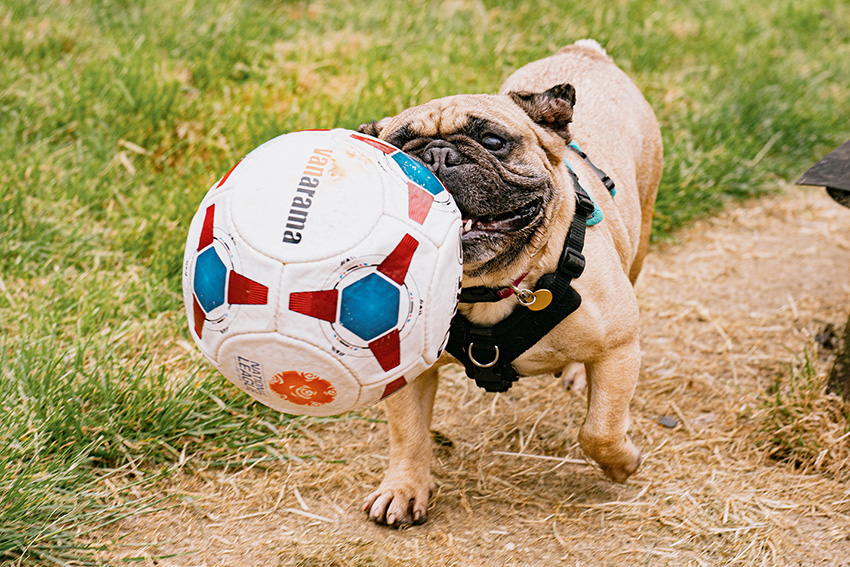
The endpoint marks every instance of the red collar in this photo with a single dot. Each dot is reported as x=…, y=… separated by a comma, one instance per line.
x=481, y=294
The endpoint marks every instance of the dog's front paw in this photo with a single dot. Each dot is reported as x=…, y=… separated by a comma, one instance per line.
x=617, y=460
x=625, y=467
x=399, y=501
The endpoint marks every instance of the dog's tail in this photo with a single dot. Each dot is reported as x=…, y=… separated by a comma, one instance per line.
x=589, y=46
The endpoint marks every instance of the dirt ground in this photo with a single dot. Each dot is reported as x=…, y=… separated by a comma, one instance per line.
x=725, y=309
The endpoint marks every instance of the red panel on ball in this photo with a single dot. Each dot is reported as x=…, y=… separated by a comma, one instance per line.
x=419, y=203
x=387, y=350
x=198, y=316
x=386, y=148
x=317, y=304
x=394, y=387
x=226, y=175
x=245, y=291
x=207, y=228
x=396, y=264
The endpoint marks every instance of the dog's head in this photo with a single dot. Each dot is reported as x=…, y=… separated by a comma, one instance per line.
x=500, y=156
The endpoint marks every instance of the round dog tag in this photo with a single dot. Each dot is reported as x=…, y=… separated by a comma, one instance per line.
x=540, y=300
x=534, y=300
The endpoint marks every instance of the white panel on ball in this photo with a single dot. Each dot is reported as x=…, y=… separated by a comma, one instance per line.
x=288, y=375
x=229, y=288
x=444, y=291
x=289, y=209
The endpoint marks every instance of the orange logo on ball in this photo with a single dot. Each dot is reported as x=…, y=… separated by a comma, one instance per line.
x=302, y=388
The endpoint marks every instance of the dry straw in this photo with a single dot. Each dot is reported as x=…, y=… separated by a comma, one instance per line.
x=754, y=470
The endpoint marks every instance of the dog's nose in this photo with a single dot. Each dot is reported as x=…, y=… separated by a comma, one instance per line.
x=441, y=156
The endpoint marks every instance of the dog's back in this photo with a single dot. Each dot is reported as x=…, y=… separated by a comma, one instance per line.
x=618, y=130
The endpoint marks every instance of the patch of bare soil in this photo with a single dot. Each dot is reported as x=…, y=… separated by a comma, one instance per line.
x=725, y=310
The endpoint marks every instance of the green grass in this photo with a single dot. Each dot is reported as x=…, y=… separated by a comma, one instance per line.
x=78, y=416
x=116, y=116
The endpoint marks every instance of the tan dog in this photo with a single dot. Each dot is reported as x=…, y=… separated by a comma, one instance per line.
x=502, y=158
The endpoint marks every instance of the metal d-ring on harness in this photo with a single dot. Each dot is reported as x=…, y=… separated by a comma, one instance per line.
x=487, y=353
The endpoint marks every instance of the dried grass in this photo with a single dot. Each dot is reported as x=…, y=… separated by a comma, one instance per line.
x=799, y=423
x=754, y=472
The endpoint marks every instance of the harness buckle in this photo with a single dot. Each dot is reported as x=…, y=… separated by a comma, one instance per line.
x=584, y=203
x=572, y=263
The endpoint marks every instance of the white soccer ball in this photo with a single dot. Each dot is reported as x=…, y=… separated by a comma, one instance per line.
x=321, y=273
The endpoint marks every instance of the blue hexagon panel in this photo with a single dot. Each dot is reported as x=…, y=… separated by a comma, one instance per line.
x=418, y=173
x=210, y=279
x=369, y=307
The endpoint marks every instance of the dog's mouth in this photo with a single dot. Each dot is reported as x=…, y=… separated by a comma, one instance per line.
x=502, y=223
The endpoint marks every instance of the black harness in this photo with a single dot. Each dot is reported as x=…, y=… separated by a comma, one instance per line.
x=487, y=353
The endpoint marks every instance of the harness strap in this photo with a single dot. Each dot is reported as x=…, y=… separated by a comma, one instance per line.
x=487, y=352
x=607, y=181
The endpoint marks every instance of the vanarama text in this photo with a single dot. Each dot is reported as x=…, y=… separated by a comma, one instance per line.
x=305, y=192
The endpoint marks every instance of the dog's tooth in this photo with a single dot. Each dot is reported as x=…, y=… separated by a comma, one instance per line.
x=467, y=226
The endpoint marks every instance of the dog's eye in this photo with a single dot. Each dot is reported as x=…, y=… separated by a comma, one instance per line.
x=492, y=143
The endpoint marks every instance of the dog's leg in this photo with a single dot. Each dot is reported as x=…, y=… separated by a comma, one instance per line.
x=611, y=385
x=574, y=377
x=402, y=497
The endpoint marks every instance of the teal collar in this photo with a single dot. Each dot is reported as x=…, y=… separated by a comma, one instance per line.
x=596, y=216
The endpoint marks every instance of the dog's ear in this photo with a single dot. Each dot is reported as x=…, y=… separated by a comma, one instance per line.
x=552, y=109
x=373, y=128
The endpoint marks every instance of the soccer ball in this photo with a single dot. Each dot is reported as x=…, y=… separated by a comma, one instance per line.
x=322, y=272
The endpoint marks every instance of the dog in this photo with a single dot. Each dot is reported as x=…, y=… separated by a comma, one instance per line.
x=503, y=158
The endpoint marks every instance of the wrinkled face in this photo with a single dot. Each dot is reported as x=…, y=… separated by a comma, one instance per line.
x=489, y=155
